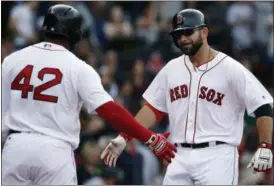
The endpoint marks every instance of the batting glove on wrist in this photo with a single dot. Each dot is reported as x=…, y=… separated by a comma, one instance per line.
x=113, y=150
x=161, y=147
x=262, y=160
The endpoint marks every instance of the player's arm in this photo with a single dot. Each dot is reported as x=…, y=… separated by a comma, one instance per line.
x=5, y=98
x=259, y=103
x=155, y=107
x=147, y=116
x=264, y=123
x=96, y=98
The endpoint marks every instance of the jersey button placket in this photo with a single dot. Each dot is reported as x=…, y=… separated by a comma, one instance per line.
x=192, y=103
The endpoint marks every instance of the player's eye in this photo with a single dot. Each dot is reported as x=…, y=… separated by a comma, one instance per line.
x=186, y=32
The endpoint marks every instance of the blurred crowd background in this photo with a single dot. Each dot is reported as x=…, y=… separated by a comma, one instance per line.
x=128, y=43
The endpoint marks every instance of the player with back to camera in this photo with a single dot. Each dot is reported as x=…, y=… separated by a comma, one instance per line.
x=205, y=94
x=44, y=87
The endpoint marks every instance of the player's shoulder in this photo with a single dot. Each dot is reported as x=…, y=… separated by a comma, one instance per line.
x=234, y=67
x=15, y=56
x=230, y=62
x=174, y=63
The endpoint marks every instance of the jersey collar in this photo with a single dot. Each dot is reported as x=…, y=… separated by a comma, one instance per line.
x=49, y=46
x=205, y=66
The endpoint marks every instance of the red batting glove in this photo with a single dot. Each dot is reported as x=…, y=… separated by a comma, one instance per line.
x=163, y=149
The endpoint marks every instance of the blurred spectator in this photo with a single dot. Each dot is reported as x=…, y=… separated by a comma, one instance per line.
x=219, y=31
x=83, y=49
x=94, y=125
x=270, y=40
x=147, y=26
x=99, y=11
x=151, y=166
x=158, y=180
x=131, y=162
x=240, y=16
x=110, y=62
x=22, y=23
x=125, y=96
x=118, y=31
x=166, y=9
x=109, y=83
x=90, y=154
x=139, y=83
x=155, y=64
x=109, y=176
x=264, y=12
x=7, y=48
x=117, y=27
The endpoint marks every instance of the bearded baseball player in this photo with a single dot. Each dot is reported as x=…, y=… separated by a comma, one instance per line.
x=44, y=87
x=205, y=94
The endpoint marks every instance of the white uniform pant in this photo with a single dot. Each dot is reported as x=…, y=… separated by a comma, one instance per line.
x=215, y=165
x=30, y=158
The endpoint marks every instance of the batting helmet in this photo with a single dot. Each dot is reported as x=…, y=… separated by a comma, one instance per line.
x=186, y=19
x=63, y=20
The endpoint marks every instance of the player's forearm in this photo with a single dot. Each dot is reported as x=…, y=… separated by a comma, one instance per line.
x=123, y=121
x=265, y=128
x=146, y=117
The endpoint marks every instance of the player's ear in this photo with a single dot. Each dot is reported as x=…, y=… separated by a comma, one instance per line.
x=204, y=33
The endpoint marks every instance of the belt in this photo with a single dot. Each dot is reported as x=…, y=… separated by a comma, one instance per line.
x=199, y=145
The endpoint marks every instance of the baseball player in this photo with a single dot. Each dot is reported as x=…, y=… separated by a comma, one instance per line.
x=44, y=87
x=205, y=94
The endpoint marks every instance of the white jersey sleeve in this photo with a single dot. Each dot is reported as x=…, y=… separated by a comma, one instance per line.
x=156, y=92
x=5, y=87
x=250, y=91
x=5, y=97
x=90, y=88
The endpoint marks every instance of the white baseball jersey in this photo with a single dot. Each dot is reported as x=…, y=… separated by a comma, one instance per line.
x=206, y=103
x=44, y=88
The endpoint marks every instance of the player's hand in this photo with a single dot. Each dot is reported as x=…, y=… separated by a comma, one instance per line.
x=163, y=149
x=262, y=160
x=113, y=150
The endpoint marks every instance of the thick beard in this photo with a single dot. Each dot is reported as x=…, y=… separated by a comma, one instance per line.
x=194, y=49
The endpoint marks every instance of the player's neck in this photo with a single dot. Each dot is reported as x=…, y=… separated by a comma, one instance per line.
x=203, y=55
x=59, y=42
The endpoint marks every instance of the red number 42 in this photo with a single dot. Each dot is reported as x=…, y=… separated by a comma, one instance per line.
x=25, y=87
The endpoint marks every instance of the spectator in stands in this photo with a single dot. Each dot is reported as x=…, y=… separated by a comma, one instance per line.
x=91, y=161
x=22, y=23
x=131, y=163
x=110, y=63
x=240, y=16
x=263, y=11
x=7, y=48
x=125, y=96
x=139, y=83
x=108, y=176
x=117, y=28
x=219, y=35
x=147, y=26
x=108, y=82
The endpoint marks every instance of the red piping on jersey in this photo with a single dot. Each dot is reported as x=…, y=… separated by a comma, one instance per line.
x=46, y=48
x=159, y=114
x=206, y=61
x=198, y=94
x=188, y=96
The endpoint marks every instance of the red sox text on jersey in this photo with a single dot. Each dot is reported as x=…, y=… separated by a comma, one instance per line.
x=210, y=95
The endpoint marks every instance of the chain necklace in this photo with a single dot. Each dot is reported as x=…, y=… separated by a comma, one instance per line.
x=208, y=59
